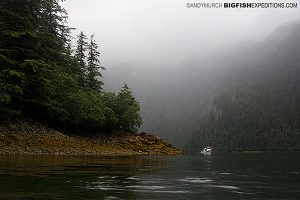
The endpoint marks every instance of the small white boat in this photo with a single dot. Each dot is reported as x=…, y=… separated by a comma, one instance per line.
x=206, y=151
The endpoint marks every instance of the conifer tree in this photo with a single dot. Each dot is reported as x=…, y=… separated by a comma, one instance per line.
x=128, y=110
x=93, y=67
x=80, y=56
x=69, y=51
x=40, y=77
x=31, y=39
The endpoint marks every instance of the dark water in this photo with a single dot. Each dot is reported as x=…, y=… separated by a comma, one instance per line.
x=226, y=176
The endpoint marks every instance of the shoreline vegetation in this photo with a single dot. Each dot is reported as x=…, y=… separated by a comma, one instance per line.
x=43, y=78
x=28, y=137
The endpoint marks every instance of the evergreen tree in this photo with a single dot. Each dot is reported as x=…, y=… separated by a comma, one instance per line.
x=81, y=57
x=31, y=44
x=69, y=51
x=93, y=73
x=39, y=76
x=128, y=110
x=257, y=105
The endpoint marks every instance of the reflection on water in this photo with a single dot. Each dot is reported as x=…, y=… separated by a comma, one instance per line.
x=226, y=176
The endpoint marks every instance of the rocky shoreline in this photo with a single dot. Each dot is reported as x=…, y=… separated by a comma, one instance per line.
x=30, y=137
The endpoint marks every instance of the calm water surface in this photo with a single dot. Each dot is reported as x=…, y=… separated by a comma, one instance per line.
x=224, y=176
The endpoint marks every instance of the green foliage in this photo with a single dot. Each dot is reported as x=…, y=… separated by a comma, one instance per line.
x=252, y=119
x=257, y=108
x=109, y=99
x=127, y=110
x=40, y=77
x=80, y=57
x=93, y=67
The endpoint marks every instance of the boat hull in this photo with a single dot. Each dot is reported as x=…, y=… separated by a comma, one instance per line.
x=206, y=152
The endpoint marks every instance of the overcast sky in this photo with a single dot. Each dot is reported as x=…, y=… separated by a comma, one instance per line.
x=164, y=32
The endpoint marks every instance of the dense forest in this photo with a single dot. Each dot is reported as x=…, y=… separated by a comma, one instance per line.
x=243, y=98
x=173, y=98
x=43, y=77
x=257, y=107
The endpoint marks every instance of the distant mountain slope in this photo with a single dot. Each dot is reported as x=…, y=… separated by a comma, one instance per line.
x=171, y=102
x=258, y=104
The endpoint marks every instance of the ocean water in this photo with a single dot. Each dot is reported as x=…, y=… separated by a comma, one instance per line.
x=219, y=176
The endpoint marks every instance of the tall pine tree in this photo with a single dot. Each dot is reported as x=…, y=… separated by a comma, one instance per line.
x=40, y=77
x=31, y=44
x=81, y=57
x=94, y=67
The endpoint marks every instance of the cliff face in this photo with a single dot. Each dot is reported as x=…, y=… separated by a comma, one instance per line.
x=30, y=137
x=257, y=105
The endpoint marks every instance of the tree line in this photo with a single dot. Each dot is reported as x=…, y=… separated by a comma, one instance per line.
x=41, y=76
x=257, y=107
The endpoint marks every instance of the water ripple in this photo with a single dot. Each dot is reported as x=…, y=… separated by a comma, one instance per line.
x=195, y=180
x=148, y=187
x=229, y=187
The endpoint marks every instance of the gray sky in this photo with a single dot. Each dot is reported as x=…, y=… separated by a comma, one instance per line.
x=140, y=40
x=165, y=32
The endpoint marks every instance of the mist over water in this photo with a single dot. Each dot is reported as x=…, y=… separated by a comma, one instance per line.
x=172, y=57
x=224, y=78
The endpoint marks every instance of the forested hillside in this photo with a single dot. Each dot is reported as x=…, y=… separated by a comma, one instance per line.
x=257, y=106
x=173, y=98
x=43, y=77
